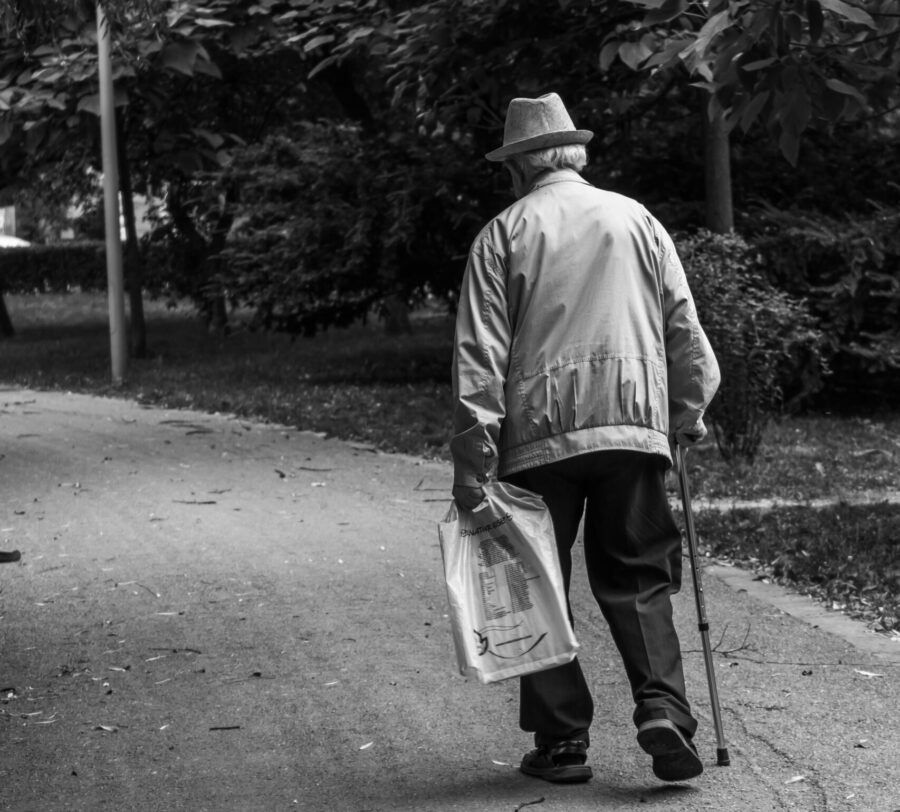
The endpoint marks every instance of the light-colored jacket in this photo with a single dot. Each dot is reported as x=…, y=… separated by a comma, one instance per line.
x=576, y=332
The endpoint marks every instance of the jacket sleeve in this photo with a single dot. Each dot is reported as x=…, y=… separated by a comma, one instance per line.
x=480, y=365
x=693, y=372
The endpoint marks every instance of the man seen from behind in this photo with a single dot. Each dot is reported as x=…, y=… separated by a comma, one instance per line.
x=578, y=360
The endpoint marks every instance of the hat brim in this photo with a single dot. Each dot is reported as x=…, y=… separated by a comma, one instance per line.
x=556, y=139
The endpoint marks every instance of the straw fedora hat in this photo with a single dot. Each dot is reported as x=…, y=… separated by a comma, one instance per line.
x=535, y=124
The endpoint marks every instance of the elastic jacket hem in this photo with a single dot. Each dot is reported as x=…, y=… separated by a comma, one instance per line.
x=596, y=438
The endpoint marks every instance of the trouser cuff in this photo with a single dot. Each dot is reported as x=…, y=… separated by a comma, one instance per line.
x=688, y=724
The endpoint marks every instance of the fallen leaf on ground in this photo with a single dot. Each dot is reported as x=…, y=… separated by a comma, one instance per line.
x=529, y=803
x=870, y=451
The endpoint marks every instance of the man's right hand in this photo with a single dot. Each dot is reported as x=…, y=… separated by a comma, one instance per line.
x=467, y=496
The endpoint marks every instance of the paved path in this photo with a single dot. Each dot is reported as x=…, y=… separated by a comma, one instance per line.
x=211, y=614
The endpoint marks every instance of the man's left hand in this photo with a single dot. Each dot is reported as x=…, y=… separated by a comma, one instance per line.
x=691, y=436
x=467, y=496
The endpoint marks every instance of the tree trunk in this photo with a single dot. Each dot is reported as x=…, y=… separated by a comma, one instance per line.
x=717, y=169
x=6, y=326
x=218, y=313
x=202, y=256
x=134, y=271
x=396, y=316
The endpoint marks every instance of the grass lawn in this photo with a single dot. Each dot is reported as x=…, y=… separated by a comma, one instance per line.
x=393, y=392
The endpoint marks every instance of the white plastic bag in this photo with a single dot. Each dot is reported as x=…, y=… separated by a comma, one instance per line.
x=504, y=584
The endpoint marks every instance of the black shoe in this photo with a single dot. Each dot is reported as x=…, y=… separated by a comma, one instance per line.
x=561, y=763
x=674, y=755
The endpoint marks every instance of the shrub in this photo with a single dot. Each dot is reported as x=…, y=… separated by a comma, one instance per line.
x=170, y=268
x=335, y=222
x=764, y=339
x=53, y=268
x=849, y=271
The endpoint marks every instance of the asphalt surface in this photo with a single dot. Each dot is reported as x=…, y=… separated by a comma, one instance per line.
x=210, y=614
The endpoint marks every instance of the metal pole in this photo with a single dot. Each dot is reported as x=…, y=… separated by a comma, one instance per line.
x=118, y=339
x=703, y=624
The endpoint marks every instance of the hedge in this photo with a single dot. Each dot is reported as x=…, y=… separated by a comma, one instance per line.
x=54, y=268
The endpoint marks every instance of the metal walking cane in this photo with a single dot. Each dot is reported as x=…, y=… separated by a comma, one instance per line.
x=722, y=758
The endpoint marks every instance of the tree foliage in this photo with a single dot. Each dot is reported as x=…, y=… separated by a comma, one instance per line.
x=192, y=83
x=793, y=65
x=315, y=157
x=48, y=87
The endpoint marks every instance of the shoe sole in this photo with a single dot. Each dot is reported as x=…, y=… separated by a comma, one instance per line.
x=674, y=759
x=572, y=774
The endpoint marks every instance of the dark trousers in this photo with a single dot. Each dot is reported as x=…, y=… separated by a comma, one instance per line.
x=632, y=550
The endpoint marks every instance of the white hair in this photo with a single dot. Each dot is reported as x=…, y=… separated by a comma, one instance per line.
x=567, y=156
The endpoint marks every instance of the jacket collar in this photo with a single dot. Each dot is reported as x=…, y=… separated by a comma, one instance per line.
x=557, y=176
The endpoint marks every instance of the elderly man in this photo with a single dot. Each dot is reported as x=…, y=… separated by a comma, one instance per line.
x=578, y=360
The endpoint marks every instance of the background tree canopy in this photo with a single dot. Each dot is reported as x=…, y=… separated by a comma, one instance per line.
x=317, y=160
